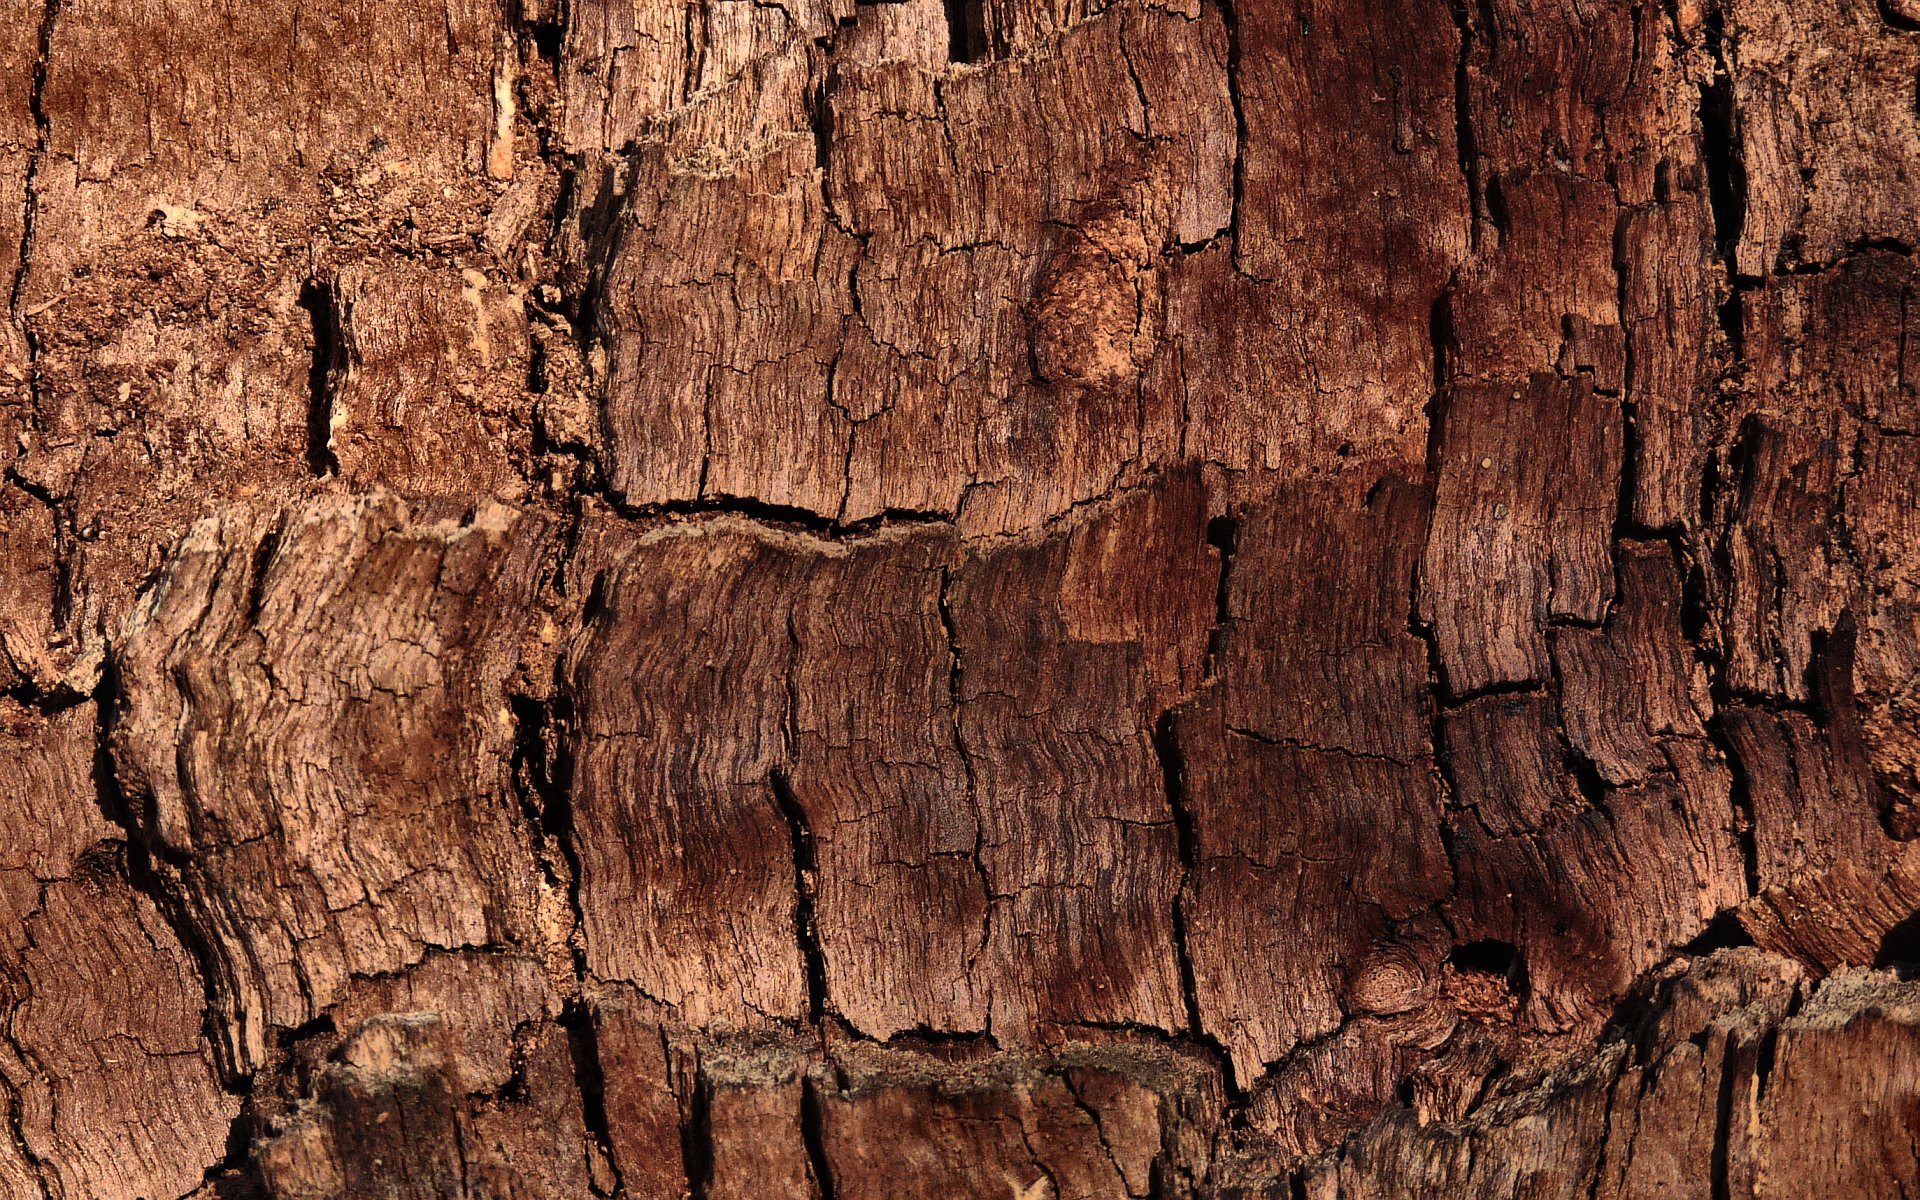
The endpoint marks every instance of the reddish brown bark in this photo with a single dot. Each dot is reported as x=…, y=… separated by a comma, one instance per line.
x=1054, y=598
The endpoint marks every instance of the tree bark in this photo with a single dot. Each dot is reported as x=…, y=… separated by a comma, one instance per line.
x=1039, y=598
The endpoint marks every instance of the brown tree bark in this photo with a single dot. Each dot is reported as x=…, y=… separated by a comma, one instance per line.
x=1077, y=599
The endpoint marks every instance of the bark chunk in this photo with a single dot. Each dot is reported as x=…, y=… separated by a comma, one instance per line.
x=316, y=732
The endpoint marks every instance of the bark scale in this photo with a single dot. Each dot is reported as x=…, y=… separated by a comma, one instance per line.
x=1053, y=598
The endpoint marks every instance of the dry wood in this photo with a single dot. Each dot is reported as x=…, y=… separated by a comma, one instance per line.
x=1065, y=599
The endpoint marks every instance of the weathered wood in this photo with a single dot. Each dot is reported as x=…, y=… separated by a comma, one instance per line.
x=315, y=741
x=105, y=1071
x=1054, y=598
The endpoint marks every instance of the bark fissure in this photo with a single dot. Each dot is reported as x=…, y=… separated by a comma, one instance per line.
x=1723, y=1120
x=43, y=132
x=1466, y=147
x=811, y=956
x=16, y=1125
x=1721, y=149
x=1230, y=21
x=813, y=1136
x=319, y=304
x=1390, y=668
x=589, y=1079
x=147, y=866
x=956, y=699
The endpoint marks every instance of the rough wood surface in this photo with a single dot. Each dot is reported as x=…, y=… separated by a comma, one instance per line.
x=1073, y=599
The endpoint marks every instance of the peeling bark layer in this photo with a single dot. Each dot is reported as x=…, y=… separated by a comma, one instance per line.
x=1084, y=599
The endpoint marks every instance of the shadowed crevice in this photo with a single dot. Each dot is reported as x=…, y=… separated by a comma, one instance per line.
x=324, y=317
x=966, y=30
x=805, y=925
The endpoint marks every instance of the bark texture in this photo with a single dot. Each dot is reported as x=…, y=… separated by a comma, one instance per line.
x=1065, y=599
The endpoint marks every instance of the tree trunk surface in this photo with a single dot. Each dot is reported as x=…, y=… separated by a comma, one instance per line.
x=1020, y=599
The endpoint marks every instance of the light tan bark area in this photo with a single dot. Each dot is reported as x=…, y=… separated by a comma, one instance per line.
x=1054, y=599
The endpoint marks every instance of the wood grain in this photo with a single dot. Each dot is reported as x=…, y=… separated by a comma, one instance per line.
x=1162, y=599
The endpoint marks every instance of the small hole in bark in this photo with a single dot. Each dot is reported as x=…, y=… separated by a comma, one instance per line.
x=1497, y=211
x=1903, y=15
x=319, y=305
x=546, y=37
x=1494, y=957
x=596, y=602
x=1724, y=932
x=1900, y=948
x=1723, y=151
x=1221, y=532
x=319, y=1026
x=1486, y=978
x=1586, y=777
x=101, y=862
x=966, y=30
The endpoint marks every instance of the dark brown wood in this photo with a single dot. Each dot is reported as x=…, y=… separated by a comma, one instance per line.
x=1081, y=599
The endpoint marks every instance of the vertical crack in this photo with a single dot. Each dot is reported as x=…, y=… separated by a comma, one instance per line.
x=1721, y=147
x=1605, y=1143
x=1230, y=21
x=955, y=695
x=1166, y=745
x=1465, y=145
x=16, y=1120
x=1722, y=492
x=542, y=773
x=323, y=312
x=1223, y=533
x=29, y=228
x=805, y=926
x=590, y=1080
x=820, y=120
x=1077, y=1094
x=1724, y=156
x=1740, y=798
x=1723, y=1120
x=1445, y=340
x=694, y=61
x=1438, y=409
x=61, y=609
x=1626, y=521
x=967, y=40
x=43, y=126
x=16, y=1106
x=149, y=872
x=696, y=1140
x=813, y=1137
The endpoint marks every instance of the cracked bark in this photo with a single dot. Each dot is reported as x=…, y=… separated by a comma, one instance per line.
x=1113, y=598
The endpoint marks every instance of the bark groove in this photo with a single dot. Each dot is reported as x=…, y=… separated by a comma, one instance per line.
x=1089, y=599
